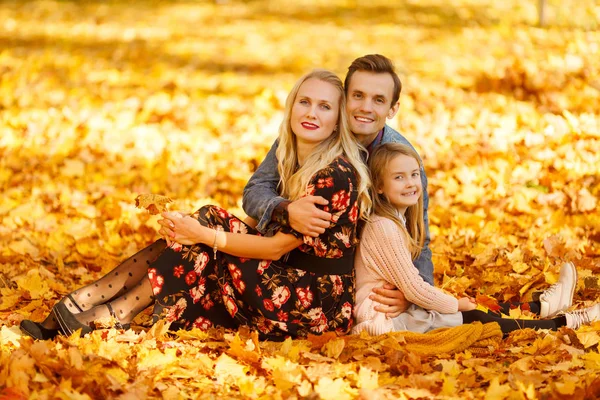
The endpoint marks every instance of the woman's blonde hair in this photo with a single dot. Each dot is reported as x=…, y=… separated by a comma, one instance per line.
x=293, y=180
x=378, y=165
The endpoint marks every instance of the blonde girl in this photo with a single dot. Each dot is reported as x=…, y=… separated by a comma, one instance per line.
x=392, y=239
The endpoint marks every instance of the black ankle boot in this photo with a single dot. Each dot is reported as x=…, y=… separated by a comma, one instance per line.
x=67, y=320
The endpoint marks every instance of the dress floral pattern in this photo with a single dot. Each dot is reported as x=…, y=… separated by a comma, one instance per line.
x=193, y=288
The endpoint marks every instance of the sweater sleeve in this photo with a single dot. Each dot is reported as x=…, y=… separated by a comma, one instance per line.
x=386, y=250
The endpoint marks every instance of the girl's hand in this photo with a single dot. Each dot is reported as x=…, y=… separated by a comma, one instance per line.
x=181, y=229
x=466, y=304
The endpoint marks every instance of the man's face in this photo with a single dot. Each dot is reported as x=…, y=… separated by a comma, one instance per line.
x=369, y=103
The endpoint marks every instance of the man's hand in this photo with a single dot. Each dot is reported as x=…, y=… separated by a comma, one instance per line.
x=306, y=218
x=392, y=301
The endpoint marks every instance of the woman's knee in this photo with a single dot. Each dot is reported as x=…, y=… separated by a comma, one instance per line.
x=207, y=215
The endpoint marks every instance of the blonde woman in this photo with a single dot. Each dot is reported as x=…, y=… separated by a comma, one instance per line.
x=219, y=271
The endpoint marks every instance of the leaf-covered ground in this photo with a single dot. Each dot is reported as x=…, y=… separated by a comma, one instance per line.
x=102, y=101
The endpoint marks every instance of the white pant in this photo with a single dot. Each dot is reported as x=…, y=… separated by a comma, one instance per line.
x=417, y=319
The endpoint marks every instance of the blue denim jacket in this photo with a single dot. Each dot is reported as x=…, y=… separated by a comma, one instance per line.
x=261, y=197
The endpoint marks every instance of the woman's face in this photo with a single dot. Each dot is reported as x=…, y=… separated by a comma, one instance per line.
x=315, y=111
x=401, y=183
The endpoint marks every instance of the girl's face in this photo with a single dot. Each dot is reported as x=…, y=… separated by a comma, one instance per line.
x=401, y=183
x=315, y=111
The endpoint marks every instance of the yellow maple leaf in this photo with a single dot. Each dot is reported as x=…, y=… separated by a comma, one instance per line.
x=228, y=370
x=588, y=338
x=565, y=388
x=10, y=336
x=9, y=300
x=285, y=373
x=335, y=389
x=367, y=378
x=497, y=391
x=334, y=348
x=34, y=284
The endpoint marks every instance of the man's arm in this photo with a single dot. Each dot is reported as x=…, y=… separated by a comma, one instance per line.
x=262, y=202
x=423, y=262
x=260, y=194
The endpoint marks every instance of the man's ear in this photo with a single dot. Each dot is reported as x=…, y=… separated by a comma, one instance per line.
x=393, y=110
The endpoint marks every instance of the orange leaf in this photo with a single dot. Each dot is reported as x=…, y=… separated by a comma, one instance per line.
x=488, y=302
x=319, y=341
x=12, y=394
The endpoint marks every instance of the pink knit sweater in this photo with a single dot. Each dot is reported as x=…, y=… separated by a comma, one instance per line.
x=383, y=256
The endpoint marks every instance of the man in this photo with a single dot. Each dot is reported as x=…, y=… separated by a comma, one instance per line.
x=373, y=90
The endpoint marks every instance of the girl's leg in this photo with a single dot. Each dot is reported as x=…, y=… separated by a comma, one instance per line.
x=557, y=298
x=533, y=306
x=126, y=275
x=508, y=325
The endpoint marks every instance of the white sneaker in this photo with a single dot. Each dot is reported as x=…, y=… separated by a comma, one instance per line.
x=559, y=296
x=585, y=316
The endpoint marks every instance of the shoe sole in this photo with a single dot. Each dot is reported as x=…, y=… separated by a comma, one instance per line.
x=544, y=312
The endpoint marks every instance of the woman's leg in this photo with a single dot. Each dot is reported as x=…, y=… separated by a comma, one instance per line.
x=192, y=288
x=126, y=275
x=119, y=311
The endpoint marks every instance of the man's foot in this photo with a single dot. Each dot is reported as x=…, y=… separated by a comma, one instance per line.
x=559, y=296
x=585, y=316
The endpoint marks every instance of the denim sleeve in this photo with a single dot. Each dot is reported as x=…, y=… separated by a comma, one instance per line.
x=260, y=194
x=423, y=262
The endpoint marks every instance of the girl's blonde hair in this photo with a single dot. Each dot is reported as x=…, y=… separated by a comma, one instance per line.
x=293, y=180
x=378, y=165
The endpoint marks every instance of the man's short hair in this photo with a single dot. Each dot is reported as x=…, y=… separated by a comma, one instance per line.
x=378, y=64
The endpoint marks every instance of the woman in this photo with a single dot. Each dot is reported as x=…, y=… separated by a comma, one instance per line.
x=219, y=271
x=393, y=237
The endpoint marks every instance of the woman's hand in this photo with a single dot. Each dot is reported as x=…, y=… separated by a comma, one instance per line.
x=166, y=228
x=181, y=229
x=466, y=304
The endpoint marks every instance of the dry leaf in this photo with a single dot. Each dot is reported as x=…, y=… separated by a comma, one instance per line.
x=154, y=203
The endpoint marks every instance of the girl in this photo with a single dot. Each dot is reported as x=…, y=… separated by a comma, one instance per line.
x=393, y=238
x=219, y=271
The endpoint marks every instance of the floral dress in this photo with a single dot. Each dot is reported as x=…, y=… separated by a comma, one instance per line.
x=195, y=289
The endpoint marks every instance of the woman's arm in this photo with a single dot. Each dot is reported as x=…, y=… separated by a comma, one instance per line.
x=189, y=231
x=386, y=249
